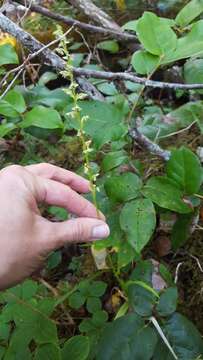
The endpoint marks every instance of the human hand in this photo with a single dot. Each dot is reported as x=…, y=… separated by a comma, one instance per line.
x=26, y=238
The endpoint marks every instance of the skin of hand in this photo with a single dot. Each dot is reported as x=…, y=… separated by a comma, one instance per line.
x=26, y=238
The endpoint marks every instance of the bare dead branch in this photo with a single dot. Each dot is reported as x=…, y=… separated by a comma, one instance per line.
x=45, y=54
x=119, y=35
x=148, y=144
x=95, y=13
x=111, y=76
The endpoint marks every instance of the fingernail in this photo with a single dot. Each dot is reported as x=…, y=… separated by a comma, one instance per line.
x=100, y=232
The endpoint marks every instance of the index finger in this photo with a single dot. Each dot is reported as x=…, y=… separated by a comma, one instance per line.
x=52, y=172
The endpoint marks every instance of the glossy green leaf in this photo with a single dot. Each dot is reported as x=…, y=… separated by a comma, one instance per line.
x=130, y=25
x=184, y=168
x=113, y=159
x=127, y=338
x=141, y=299
x=17, y=101
x=189, y=12
x=183, y=337
x=41, y=95
x=123, y=188
x=42, y=117
x=109, y=45
x=7, y=109
x=138, y=220
x=165, y=193
x=8, y=55
x=5, y=129
x=107, y=88
x=143, y=62
x=167, y=302
x=156, y=35
x=47, y=352
x=76, y=348
x=189, y=45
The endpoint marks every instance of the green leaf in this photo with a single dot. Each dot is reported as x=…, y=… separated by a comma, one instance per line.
x=7, y=109
x=47, y=352
x=155, y=34
x=126, y=254
x=105, y=121
x=138, y=220
x=193, y=71
x=130, y=25
x=41, y=95
x=8, y=55
x=123, y=188
x=5, y=332
x=109, y=45
x=46, y=77
x=93, y=304
x=127, y=338
x=164, y=192
x=42, y=117
x=17, y=101
x=183, y=337
x=180, y=231
x=5, y=129
x=184, y=168
x=76, y=348
x=167, y=302
x=113, y=159
x=143, y=62
x=187, y=46
x=76, y=300
x=107, y=88
x=141, y=299
x=54, y=260
x=143, y=272
x=189, y=12
x=97, y=288
x=59, y=213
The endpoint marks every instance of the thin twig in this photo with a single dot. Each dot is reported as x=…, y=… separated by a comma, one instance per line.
x=121, y=36
x=54, y=291
x=179, y=131
x=197, y=261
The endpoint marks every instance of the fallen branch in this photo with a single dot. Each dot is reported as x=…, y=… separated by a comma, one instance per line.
x=48, y=56
x=95, y=13
x=58, y=64
x=148, y=144
x=111, y=76
x=119, y=35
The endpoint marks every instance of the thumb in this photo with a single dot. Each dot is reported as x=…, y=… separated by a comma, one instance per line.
x=76, y=230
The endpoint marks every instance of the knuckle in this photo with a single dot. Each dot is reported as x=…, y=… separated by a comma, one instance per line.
x=80, y=232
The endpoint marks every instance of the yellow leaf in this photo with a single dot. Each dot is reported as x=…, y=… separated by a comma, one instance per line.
x=120, y=4
x=7, y=39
